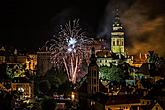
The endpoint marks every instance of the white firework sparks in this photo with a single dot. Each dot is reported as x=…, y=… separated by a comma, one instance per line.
x=67, y=48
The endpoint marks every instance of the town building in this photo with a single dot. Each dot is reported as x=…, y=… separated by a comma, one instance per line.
x=43, y=61
x=14, y=57
x=24, y=86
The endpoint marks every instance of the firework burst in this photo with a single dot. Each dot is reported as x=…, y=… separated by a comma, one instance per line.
x=67, y=48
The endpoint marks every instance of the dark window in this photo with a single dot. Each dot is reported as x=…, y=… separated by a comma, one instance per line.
x=94, y=89
x=122, y=43
x=117, y=42
x=94, y=81
x=94, y=73
x=156, y=108
x=113, y=42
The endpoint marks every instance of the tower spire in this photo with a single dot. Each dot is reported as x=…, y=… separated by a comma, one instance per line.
x=117, y=35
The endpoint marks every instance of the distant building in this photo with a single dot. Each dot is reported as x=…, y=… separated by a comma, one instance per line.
x=126, y=102
x=43, y=61
x=2, y=55
x=22, y=84
x=31, y=62
x=138, y=59
x=107, y=58
x=10, y=57
x=154, y=106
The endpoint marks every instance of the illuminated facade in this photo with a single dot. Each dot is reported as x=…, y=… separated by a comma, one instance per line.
x=2, y=55
x=31, y=62
x=107, y=58
x=23, y=85
x=117, y=36
x=138, y=59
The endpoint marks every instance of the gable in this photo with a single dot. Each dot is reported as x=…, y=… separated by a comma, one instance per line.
x=157, y=107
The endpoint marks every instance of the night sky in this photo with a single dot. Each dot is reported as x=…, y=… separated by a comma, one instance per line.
x=28, y=24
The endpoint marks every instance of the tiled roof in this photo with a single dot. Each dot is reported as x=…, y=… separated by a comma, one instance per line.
x=104, y=53
x=20, y=80
x=122, y=99
x=144, y=69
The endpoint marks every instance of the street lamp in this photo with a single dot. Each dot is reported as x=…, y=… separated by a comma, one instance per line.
x=72, y=96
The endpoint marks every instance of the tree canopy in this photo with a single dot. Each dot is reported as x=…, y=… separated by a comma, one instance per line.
x=113, y=73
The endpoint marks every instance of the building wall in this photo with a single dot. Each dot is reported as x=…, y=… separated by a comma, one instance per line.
x=93, y=80
x=117, y=45
x=2, y=59
x=31, y=62
x=43, y=62
x=106, y=61
x=27, y=87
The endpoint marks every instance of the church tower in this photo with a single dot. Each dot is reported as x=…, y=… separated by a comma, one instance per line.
x=117, y=35
x=93, y=74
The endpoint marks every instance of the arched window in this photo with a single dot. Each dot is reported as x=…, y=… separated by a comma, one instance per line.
x=157, y=108
x=113, y=42
x=118, y=42
x=122, y=42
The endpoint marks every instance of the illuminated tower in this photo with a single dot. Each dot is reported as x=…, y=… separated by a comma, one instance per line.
x=117, y=35
x=93, y=74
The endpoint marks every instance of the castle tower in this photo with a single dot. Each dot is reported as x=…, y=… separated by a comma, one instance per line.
x=93, y=74
x=117, y=35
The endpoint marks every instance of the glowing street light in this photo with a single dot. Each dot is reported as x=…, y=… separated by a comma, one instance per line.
x=72, y=96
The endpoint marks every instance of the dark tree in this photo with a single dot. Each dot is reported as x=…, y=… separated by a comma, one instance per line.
x=3, y=74
x=48, y=104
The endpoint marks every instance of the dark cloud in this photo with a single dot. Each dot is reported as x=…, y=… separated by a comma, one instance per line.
x=143, y=21
x=89, y=13
x=145, y=26
x=105, y=23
